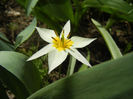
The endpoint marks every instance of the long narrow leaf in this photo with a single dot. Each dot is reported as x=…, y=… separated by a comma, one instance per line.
x=13, y=84
x=53, y=12
x=113, y=48
x=31, y=4
x=5, y=43
x=119, y=8
x=26, y=33
x=57, y=9
x=3, y=37
x=5, y=46
x=109, y=80
x=21, y=76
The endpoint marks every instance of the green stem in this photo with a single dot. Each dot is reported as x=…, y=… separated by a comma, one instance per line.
x=71, y=66
x=83, y=66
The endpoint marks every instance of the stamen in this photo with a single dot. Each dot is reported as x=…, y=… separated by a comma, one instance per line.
x=68, y=41
x=62, y=43
x=56, y=33
x=62, y=34
x=62, y=38
x=68, y=35
x=63, y=31
x=53, y=38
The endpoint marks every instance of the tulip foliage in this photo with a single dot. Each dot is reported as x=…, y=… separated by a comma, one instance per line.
x=19, y=70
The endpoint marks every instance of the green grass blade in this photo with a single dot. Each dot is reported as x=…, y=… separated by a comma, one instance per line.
x=109, y=80
x=113, y=48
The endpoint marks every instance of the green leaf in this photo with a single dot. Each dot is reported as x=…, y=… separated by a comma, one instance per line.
x=119, y=8
x=20, y=76
x=5, y=46
x=113, y=48
x=57, y=9
x=109, y=80
x=55, y=25
x=31, y=5
x=54, y=11
x=14, y=84
x=26, y=33
x=3, y=37
x=5, y=43
x=22, y=2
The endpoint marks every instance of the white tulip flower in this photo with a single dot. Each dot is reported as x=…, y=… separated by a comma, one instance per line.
x=59, y=46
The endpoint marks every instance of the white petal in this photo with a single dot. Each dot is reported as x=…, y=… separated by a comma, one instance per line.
x=55, y=58
x=80, y=42
x=66, y=29
x=76, y=54
x=42, y=52
x=46, y=34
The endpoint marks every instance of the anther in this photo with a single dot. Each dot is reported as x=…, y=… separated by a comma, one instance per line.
x=68, y=41
x=62, y=38
x=53, y=38
x=56, y=33
x=68, y=35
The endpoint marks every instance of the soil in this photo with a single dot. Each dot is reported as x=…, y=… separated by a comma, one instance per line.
x=12, y=19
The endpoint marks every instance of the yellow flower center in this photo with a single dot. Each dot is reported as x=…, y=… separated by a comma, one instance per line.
x=61, y=43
